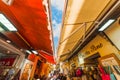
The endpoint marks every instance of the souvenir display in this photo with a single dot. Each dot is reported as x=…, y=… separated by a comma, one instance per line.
x=117, y=68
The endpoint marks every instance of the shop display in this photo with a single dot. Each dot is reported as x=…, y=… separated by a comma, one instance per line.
x=117, y=68
x=117, y=75
x=78, y=72
x=10, y=74
x=17, y=76
x=7, y=61
x=111, y=66
x=26, y=70
x=7, y=66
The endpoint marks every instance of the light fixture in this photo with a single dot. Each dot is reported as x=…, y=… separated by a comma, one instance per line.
x=35, y=52
x=108, y=23
x=21, y=49
x=8, y=41
x=28, y=52
x=5, y=23
x=8, y=51
x=8, y=2
x=1, y=29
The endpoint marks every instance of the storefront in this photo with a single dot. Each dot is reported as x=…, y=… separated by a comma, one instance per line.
x=7, y=62
x=103, y=50
x=100, y=46
x=26, y=70
x=105, y=43
x=35, y=67
x=11, y=60
x=99, y=51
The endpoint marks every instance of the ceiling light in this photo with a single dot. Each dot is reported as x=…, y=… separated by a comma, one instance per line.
x=21, y=49
x=8, y=41
x=108, y=23
x=28, y=52
x=6, y=23
x=8, y=51
x=35, y=52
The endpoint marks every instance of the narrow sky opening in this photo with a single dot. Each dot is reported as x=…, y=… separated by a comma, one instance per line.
x=57, y=7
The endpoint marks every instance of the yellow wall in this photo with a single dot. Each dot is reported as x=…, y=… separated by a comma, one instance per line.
x=113, y=32
x=105, y=49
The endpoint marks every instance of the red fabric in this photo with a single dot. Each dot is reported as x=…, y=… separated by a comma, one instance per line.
x=49, y=58
x=31, y=57
x=78, y=73
x=33, y=19
x=7, y=61
x=104, y=75
x=30, y=19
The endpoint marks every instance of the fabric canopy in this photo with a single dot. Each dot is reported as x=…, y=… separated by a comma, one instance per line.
x=32, y=22
x=48, y=57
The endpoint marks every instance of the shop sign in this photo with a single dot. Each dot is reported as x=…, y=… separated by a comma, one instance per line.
x=7, y=61
x=94, y=48
x=100, y=44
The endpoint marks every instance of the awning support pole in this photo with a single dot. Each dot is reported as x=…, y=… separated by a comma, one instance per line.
x=73, y=33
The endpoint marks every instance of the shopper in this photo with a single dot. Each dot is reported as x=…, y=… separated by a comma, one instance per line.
x=64, y=77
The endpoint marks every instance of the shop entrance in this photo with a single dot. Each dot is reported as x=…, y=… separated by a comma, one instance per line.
x=92, y=60
x=7, y=63
x=90, y=68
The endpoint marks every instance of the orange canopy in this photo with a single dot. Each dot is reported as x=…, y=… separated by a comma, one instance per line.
x=31, y=21
x=48, y=57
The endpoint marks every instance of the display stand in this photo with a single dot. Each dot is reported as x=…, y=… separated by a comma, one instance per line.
x=109, y=60
x=26, y=70
x=111, y=66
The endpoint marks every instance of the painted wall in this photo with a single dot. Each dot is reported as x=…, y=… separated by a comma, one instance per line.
x=99, y=44
x=113, y=32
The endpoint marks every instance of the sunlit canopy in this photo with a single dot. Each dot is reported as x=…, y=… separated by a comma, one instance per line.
x=78, y=19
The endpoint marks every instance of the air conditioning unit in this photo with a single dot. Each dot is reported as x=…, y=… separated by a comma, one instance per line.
x=8, y=2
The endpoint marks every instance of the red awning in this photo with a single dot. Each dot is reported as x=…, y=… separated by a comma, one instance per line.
x=30, y=19
x=48, y=57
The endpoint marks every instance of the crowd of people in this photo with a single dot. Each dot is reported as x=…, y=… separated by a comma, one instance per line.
x=59, y=76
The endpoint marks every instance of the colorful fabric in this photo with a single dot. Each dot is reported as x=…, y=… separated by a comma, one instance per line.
x=105, y=77
x=78, y=73
x=112, y=77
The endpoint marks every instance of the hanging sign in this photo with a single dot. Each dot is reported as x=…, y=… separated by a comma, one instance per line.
x=94, y=48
